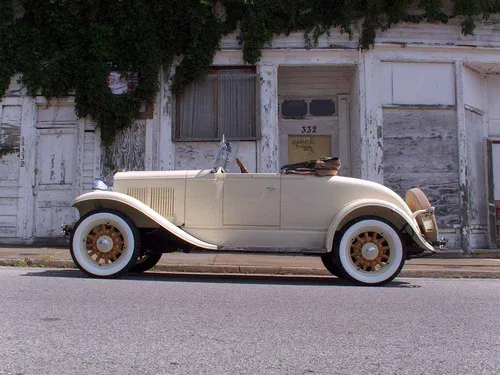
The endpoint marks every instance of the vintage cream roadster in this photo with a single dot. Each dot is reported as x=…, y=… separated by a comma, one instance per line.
x=362, y=231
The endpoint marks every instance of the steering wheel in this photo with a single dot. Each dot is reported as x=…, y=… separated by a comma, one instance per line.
x=242, y=167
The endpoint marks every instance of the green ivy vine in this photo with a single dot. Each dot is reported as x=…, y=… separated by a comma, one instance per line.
x=70, y=46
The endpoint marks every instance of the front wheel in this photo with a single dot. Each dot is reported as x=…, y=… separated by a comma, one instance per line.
x=369, y=251
x=331, y=266
x=105, y=243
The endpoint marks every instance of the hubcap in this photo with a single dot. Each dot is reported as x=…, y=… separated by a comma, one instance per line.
x=370, y=251
x=104, y=244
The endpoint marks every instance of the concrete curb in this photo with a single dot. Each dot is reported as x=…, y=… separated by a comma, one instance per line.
x=462, y=272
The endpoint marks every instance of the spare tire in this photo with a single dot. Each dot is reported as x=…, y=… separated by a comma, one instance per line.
x=417, y=200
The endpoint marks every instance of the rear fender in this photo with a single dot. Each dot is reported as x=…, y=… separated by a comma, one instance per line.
x=374, y=207
x=141, y=214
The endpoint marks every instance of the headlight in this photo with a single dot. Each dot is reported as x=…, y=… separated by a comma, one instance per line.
x=99, y=184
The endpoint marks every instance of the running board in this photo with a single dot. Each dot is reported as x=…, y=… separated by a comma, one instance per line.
x=272, y=250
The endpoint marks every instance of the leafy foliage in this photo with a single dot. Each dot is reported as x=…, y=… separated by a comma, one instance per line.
x=63, y=46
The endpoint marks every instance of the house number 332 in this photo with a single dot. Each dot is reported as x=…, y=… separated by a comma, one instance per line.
x=308, y=129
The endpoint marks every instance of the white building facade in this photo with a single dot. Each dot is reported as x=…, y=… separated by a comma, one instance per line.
x=417, y=110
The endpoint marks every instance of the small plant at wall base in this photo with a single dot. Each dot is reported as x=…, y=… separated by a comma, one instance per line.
x=62, y=46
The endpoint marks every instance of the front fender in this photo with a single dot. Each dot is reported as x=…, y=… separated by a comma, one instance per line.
x=362, y=207
x=110, y=199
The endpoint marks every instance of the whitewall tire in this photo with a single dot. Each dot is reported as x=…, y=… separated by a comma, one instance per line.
x=105, y=243
x=369, y=251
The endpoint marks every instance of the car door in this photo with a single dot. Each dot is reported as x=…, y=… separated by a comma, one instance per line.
x=251, y=199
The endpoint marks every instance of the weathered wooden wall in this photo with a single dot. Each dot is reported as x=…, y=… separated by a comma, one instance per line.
x=420, y=150
x=127, y=153
x=202, y=155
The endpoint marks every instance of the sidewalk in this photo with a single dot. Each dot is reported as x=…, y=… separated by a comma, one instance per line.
x=451, y=265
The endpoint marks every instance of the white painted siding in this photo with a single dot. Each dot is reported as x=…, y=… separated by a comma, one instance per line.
x=474, y=86
x=418, y=83
x=313, y=81
x=447, y=34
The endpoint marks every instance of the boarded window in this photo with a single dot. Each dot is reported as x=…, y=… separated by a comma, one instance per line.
x=323, y=107
x=223, y=102
x=306, y=108
x=294, y=108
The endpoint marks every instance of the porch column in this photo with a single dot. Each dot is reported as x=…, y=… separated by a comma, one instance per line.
x=372, y=154
x=268, y=146
x=162, y=148
x=465, y=201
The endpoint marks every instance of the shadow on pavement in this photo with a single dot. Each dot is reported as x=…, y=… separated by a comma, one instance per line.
x=221, y=278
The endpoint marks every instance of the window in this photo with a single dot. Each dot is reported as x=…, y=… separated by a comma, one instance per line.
x=302, y=108
x=223, y=102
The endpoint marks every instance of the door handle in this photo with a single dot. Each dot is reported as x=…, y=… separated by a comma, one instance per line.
x=271, y=188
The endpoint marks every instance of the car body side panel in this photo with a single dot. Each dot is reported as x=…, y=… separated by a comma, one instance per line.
x=139, y=211
x=310, y=202
x=373, y=207
x=254, y=237
x=204, y=201
x=251, y=199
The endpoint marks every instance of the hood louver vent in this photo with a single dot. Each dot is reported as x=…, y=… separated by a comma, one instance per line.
x=160, y=199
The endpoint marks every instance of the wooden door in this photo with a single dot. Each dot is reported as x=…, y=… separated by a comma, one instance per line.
x=55, y=175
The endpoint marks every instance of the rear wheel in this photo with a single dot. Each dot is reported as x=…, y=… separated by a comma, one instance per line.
x=105, y=243
x=369, y=251
x=145, y=262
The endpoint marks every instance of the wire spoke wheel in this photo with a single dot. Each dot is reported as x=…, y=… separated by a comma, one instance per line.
x=105, y=243
x=369, y=251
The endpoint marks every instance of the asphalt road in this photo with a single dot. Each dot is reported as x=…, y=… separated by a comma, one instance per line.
x=59, y=322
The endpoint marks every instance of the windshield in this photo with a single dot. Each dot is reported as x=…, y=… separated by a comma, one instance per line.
x=224, y=158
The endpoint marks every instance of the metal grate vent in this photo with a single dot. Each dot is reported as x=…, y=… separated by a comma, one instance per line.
x=160, y=199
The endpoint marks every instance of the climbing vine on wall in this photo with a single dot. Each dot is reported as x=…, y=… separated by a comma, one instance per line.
x=70, y=46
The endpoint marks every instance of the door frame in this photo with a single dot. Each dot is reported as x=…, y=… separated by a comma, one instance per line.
x=340, y=147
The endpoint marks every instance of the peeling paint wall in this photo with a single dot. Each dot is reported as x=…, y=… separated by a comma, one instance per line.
x=420, y=150
x=202, y=155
